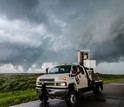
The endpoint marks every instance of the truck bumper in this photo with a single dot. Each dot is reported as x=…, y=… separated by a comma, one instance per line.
x=54, y=92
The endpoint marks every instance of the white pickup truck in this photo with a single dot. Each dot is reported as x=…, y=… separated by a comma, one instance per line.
x=63, y=82
x=67, y=81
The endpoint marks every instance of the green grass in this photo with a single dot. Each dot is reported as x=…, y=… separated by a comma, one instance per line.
x=12, y=82
x=19, y=88
x=16, y=97
x=108, y=78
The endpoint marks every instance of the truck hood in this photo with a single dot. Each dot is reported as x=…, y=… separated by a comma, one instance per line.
x=57, y=77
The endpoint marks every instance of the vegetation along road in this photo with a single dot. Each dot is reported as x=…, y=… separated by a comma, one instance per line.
x=20, y=88
x=112, y=96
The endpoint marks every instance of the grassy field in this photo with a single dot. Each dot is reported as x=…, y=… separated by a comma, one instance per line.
x=18, y=88
x=108, y=78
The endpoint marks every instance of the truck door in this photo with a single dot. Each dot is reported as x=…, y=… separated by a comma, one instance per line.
x=80, y=77
x=83, y=78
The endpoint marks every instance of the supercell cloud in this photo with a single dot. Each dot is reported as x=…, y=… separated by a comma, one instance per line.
x=34, y=32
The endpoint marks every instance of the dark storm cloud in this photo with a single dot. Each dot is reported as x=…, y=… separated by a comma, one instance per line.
x=17, y=8
x=24, y=55
x=38, y=31
x=111, y=51
x=28, y=10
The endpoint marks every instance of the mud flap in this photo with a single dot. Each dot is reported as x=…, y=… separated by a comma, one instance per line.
x=101, y=85
x=97, y=87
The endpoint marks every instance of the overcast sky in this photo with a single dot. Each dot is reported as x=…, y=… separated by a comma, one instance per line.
x=34, y=33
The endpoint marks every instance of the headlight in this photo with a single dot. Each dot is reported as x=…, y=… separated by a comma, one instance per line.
x=38, y=83
x=61, y=84
x=37, y=80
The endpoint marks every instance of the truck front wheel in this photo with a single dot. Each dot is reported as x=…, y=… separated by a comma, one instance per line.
x=71, y=99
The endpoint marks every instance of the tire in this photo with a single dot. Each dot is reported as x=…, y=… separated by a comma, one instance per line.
x=71, y=99
x=41, y=99
x=97, y=89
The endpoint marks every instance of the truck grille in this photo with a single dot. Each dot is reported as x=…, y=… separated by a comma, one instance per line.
x=47, y=80
x=49, y=84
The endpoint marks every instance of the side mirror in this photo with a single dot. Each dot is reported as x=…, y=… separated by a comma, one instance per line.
x=47, y=70
x=72, y=75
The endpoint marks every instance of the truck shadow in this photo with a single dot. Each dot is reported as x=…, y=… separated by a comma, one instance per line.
x=87, y=99
x=91, y=97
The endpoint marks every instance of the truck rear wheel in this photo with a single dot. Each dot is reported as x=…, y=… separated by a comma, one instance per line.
x=71, y=99
x=97, y=89
x=41, y=98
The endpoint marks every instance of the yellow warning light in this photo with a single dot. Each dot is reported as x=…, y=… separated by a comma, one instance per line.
x=64, y=78
x=62, y=64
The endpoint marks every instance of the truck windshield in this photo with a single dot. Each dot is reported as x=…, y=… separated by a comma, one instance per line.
x=60, y=69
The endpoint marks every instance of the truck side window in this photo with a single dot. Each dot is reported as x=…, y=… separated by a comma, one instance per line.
x=81, y=69
x=74, y=69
